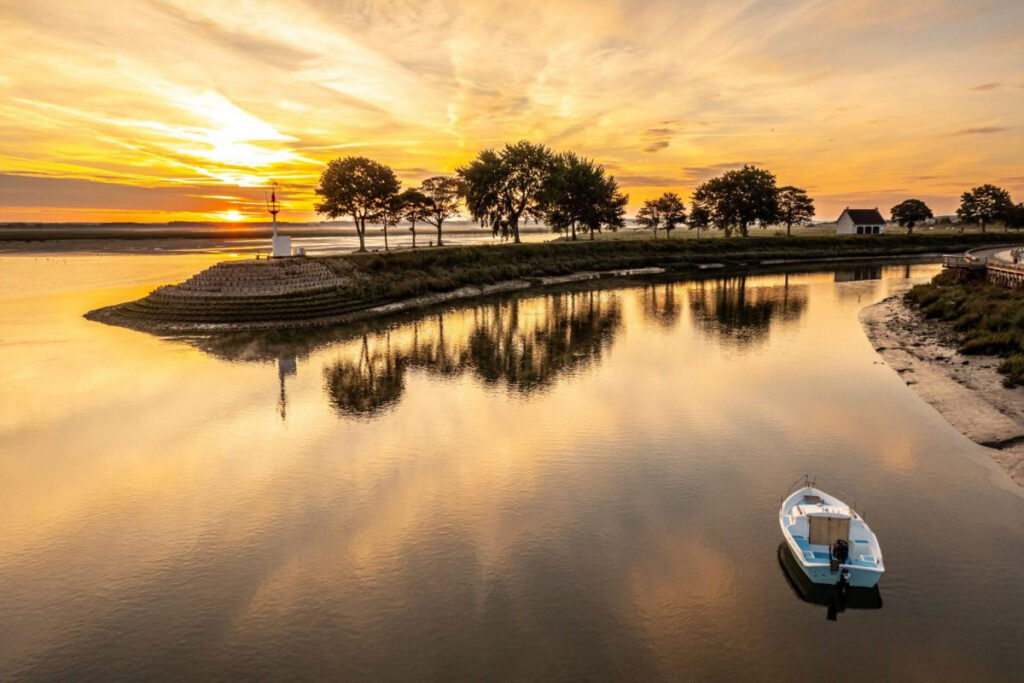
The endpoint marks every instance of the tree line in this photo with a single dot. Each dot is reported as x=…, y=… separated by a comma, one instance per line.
x=572, y=194
x=500, y=189
x=983, y=205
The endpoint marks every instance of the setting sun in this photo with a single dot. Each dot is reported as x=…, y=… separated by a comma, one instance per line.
x=859, y=103
x=231, y=216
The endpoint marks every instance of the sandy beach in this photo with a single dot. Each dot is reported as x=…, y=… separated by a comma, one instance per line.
x=966, y=390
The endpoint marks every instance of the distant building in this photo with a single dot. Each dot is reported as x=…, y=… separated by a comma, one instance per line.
x=860, y=222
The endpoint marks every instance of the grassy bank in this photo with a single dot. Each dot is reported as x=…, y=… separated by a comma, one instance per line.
x=988, y=319
x=342, y=288
x=410, y=273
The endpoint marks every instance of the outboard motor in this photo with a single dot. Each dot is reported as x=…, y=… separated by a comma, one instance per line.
x=840, y=553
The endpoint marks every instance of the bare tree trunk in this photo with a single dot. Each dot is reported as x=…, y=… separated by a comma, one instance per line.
x=360, y=230
x=386, y=248
x=572, y=226
x=788, y=231
x=413, y=234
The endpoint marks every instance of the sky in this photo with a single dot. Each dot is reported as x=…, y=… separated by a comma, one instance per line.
x=156, y=110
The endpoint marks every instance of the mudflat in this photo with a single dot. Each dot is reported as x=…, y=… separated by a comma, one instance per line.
x=966, y=390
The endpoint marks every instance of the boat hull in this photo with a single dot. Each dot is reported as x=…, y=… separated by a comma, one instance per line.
x=799, y=514
x=823, y=574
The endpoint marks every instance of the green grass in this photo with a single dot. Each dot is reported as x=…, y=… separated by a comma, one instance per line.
x=988, y=319
x=406, y=273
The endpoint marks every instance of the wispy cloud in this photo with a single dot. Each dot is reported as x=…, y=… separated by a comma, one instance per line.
x=981, y=130
x=182, y=94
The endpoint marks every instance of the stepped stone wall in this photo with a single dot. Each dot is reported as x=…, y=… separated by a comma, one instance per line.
x=290, y=290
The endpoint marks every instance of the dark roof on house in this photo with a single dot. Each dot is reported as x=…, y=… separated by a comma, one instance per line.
x=864, y=216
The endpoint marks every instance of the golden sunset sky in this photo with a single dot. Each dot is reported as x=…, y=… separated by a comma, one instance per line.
x=154, y=110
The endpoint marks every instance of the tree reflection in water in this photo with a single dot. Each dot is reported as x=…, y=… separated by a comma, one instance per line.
x=372, y=382
x=525, y=344
x=661, y=305
x=730, y=310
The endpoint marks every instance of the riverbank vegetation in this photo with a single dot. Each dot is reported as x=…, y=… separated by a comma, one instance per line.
x=383, y=276
x=347, y=287
x=987, y=319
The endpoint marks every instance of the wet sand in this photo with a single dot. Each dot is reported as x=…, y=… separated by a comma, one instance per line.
x=967, y=391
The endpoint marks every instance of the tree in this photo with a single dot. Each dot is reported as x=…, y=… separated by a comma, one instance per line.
x=356, y=187
x=649, y=216
x=502, y=187
x=389, y=215
x=578, y=194
x=414, y=208
x=442, y=194
x=910, y=212
x=666, y=211
x=700, y=217
x=984, y=204
x=1015, y=218
x=794, y=206
x=673, y=211
x=736, y=199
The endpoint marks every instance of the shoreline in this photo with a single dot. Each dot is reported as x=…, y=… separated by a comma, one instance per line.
x=118, y=314
x=111, y=314
x=328, y=290
x=966, y=390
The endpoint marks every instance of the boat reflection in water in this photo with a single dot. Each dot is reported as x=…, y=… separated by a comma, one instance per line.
x=833, y=598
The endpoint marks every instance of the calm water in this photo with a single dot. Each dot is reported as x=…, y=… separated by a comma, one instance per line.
x=575, y=485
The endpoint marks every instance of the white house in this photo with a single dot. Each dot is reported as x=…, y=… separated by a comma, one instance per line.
x=860, y=222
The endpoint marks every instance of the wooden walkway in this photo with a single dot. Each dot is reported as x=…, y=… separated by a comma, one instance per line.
x=998, y=271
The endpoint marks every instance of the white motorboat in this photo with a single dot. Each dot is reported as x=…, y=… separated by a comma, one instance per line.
x=831, y=543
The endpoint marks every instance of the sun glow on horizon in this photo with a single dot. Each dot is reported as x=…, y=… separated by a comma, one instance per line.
x=231, y=216
x=192, y=106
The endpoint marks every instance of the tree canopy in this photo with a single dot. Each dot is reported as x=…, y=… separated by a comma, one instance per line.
x=911, y=212
x=1015, y=218
x=578, y=194
x=667, y=212
x=739, y=198
x=442, y=193
x=794, y=207
x=502, y=187
x=984, y=204
x=700, y=217
x=356, y=187
x=414, y=205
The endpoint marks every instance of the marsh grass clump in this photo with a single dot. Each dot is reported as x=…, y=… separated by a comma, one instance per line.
x=988, y=319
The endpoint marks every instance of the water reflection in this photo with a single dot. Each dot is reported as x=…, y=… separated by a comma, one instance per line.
x=365, y=385
x=868, y=272
x=661, y=304
x=524, y=345
x=828, y=596
x=287, y=366
x=732, y=311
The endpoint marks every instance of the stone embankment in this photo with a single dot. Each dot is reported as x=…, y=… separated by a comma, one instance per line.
x=254, y=292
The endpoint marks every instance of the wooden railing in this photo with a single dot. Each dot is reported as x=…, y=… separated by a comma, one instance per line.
x=1010, y=274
